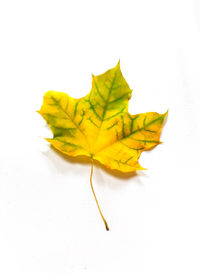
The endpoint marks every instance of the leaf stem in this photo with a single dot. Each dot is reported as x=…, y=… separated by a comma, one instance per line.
x=106, y=225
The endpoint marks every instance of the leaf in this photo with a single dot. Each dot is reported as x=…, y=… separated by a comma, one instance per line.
x=99, y=126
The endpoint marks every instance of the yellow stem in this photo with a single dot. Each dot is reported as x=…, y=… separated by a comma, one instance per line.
x=107, y=228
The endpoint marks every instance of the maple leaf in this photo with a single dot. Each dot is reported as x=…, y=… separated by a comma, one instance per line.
x=99, y=126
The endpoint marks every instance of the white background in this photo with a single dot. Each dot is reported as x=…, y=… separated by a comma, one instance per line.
x=49, y=222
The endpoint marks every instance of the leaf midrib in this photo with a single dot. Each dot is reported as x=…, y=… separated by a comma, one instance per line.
x=105, y=107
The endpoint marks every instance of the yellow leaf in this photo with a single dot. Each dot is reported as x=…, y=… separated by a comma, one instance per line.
x=99, y=126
